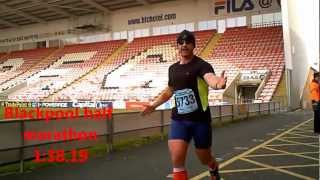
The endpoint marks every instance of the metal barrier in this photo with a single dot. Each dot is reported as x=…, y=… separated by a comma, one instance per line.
x=14, y=148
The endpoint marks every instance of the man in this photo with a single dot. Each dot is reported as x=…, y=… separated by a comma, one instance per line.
x=188, y=82
x=315, y=99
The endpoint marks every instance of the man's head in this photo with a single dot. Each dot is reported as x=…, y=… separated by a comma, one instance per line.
x=186, y=36
x=186, y=43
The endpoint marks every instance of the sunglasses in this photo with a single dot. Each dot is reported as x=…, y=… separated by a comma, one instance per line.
x=180, y=42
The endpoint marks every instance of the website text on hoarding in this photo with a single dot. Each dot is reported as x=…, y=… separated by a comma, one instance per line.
x=150, y=19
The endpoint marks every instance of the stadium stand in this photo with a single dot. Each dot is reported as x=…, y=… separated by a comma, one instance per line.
x=17, y=66
x=66, y=65
x=244, y=48
x=2, y=56
x=138, y=73
x=143, y=65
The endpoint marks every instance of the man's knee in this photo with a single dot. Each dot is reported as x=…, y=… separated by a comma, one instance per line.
x=204, y=156
x=205, y=161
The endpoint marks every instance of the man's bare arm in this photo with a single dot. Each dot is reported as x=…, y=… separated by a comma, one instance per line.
x=164, y=96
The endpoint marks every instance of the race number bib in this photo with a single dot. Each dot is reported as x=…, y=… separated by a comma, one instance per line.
x=186, y=101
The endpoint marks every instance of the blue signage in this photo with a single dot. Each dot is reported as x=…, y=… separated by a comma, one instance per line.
x=233, y=6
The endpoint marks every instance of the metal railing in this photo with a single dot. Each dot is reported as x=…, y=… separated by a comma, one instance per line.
x=15, y=149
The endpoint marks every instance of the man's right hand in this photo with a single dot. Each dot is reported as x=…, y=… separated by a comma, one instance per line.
x=148, y=109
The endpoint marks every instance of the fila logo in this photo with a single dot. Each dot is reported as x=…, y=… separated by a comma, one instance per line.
x=232, y=5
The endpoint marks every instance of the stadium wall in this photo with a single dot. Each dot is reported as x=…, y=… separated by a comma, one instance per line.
x=280, y=94
x=301, y=36
x=184, y=10
x=118, y=20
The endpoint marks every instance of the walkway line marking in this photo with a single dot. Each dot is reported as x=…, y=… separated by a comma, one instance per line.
x=302, y=135
x=206, y=173
x=280, y=154
x=300, y=143
x=277, y=145
x=305, y=131
x=278, y=169
x=289, y=153
x=264, y=168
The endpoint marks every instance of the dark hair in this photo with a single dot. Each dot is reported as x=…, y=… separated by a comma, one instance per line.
x=186, y=36
x=316, y=74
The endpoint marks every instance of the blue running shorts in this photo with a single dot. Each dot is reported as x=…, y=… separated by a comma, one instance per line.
x=201, y=132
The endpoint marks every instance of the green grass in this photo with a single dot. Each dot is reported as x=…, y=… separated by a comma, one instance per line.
x=134, y=143
x=94, y=152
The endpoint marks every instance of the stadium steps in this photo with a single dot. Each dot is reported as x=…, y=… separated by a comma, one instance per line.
x=131, y=57
x=271, y=89
x=280, y=94
x=9, y=79
x=12, y=77
x=229, y=95
x=262, y=85
x=111, y=71
x=47, y=59
x=93, y=70
x=210, y=45
x=30, y=69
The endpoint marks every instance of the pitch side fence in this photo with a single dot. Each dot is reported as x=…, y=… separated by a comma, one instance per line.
x=15, y=149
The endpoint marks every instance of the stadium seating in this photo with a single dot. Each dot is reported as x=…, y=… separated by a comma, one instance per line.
x=245, y=48
x=2, y=55
x=67, y=65
x=17, y=66
x=139, y=73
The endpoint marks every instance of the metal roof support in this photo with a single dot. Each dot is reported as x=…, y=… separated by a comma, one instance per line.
x=54, y=8
x=96, y=5
x=23, y=14
x=144, y=2
x=8, y=23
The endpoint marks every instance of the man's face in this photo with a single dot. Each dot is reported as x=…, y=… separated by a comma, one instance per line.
x=317, y=78
x=185, y=48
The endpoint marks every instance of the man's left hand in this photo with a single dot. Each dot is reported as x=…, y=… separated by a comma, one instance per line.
x=223, y=81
